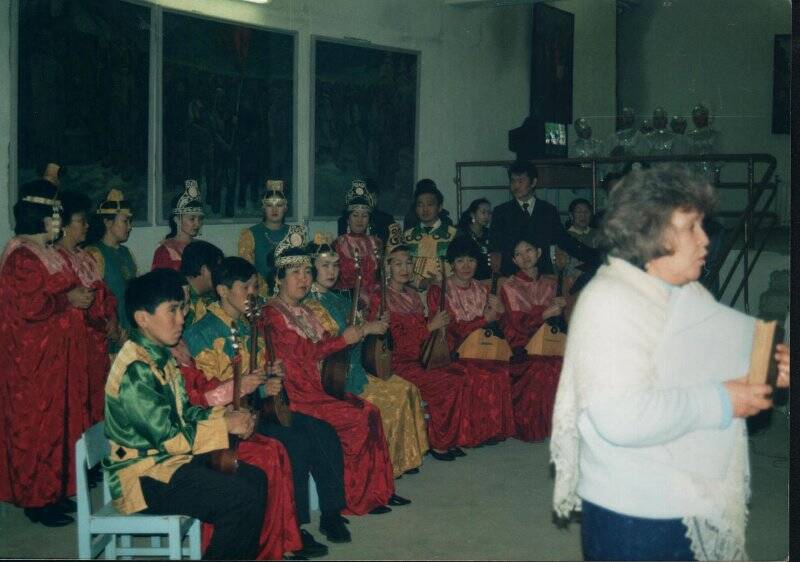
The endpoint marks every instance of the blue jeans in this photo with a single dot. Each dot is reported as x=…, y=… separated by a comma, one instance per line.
x=608, y=535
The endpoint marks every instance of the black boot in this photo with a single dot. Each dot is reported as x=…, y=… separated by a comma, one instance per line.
x=48, y=516
x=332, y=526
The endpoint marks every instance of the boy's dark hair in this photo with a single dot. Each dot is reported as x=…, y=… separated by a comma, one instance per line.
x=230, y=270
x=148, y=291
x=428, y=186
x=463, y=246
x=197, y=254
x=73, y=203
x=519, y=167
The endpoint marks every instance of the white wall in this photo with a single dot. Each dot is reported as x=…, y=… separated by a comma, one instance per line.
x=719, y=52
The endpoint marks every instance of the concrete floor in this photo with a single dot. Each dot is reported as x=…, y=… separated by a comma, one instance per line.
x=492, y=504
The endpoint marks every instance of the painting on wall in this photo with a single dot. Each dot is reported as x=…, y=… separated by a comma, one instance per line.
x=365, y=106
x=781, y=74
x=552, y=61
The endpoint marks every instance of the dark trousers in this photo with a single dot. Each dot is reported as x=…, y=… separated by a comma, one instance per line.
x=314, y=448
x=608, y=535
x=233, y=503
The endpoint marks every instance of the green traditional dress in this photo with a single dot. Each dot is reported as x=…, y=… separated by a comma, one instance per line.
x=117, y=267
x=151, y=426
x=257, y=245
x=398, y=400
x=198, y=306
x=210, y=343
x=427, y=245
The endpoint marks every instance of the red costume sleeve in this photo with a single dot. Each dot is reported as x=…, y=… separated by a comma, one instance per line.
x=408, y=333
x=37, y=294
x=519, y=327
x=104, y=306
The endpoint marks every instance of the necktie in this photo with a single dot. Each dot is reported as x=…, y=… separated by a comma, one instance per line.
x=525, y=207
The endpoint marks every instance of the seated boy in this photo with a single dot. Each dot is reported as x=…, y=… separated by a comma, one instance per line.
x=157, y=462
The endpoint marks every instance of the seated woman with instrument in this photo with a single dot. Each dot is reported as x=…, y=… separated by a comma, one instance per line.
x=301, y=343
x=470, y=307
x=208, y=374
x=357, y=241
x=397, y=399
x=530, y=300
x=157, y=462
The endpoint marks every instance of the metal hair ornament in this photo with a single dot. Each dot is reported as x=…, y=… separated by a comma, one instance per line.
x=295, y=238
x=115, y=204
x=324, y=248
x=358, y=198
x=189, y=202
x=274, y=194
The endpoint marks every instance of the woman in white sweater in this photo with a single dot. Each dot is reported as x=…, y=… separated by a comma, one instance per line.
x=649, y=439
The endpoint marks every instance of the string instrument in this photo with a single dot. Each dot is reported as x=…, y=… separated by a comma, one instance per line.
x=486, y=342
x=273, y=408
x=551, y=338
x=376, y=353
x=435, y=353
x=227, y=460
x=336, y=365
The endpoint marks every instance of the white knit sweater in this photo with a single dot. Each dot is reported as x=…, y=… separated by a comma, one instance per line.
x=642, y=424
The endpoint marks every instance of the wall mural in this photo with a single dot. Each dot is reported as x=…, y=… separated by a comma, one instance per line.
x=365, y=103
x=83, y=95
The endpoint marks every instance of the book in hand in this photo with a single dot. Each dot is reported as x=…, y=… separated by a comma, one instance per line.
x=763, y=368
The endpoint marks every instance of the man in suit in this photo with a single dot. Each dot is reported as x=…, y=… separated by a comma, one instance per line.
x=525, y=214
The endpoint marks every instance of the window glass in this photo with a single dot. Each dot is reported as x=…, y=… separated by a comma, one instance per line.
x=365, y=104
x=83, y=95
x=228, y=107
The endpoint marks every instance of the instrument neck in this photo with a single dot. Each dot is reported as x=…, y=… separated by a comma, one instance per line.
x=444, y=285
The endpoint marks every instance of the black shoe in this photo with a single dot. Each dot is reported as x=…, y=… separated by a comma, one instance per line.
x=396, y=500
x=380, y=510
x=48, y=516
x=448, y=456
x=311, y=548
x=491, y=442
x=457, y=452
x=333, y=528
x=65, y=505
x=412, y=471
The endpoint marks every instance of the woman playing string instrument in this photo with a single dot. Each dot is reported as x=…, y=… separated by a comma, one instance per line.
x=398, y=400
x=529, y=300
x=470, y=306
x=301, y=343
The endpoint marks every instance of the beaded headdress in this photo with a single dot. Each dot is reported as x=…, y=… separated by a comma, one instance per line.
x=43, y=192
x=189, y=202
x=52, y=172
x=115, y=204
x=294, y=239
x=274, y=194
x=359, y=198
x=322, y=241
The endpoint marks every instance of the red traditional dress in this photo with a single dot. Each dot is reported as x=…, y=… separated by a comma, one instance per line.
x=89, y=363
x=534, y=378
x=488, y=382
x=448, y=391
x=280, y=533
x=169, y=254
x=36, y=323
x=301, y=343
x=368, y=247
